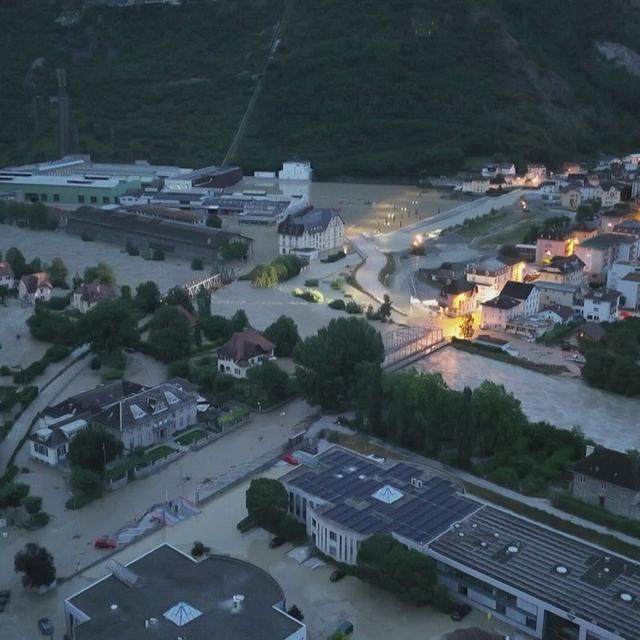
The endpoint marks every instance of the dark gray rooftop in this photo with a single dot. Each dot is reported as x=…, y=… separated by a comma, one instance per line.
x=347, y=481
x=169, y=577
x=564, y=572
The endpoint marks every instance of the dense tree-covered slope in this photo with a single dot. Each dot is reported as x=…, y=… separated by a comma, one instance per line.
x=362, y=87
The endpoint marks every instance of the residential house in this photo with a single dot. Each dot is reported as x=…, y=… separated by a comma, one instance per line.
x=600, y=252
x=571, y=196
x=311, y=234
x=475, y=183
x=536, y=173
x=498, y=311
x=458, y=298
x=36, y=286
x=635, y=187
x=632, y=161
x=89, y=295
x=557, y=314
x=624, y=276
x=610, y=194
x=631, y=227
x=557, y=293
x=557, y=243
x=601, y=305
x=563, y=269
x=7, y=278
x=613, y=216
x=443, y=274
x=151, y=416
x=526, y=293
x=491, y=274
x=58, y=424
x=244, y=350
x=609, y=479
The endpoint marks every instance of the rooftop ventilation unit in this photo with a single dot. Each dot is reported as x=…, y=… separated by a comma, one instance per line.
x=123, y=574
x=416, y=482
x=237, y=599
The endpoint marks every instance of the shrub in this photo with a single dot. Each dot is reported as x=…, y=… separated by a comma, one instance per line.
x=86, y=236
x=27, y=395
x=199, y=549
x=158, y=254
x=338, y=284
x=56, y=353
x=95, y=363
x=246, y=524
x=197, y=264
x=78, y=501
x=179, y=369
x=334, y=257
x=38, y=520
x=311, y=282
x=32, y=504
x=33, y=370
x=353, y=307
x=132, y=250
x=338, y=304
x=310, y=295
x=288, y=527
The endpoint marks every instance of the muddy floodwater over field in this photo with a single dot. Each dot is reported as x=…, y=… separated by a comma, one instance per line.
x=610, y=420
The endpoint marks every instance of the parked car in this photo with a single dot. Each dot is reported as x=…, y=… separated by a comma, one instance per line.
x=45, y=626
x=276, y=542
x=290, y=458
x=375, y=458
x=337, y=575
x=105, y=542
x=459, y=611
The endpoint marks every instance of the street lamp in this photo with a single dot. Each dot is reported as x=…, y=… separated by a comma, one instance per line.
x=73, y=498
x=259, y=406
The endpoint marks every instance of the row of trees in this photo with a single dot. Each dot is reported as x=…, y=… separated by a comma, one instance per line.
x=483, y=429
x=35, y=216
x=281, y=269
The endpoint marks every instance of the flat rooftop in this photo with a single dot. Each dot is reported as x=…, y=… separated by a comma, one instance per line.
x=200, y=594
x=27, y=179
x=574, y=576
x=369, y=497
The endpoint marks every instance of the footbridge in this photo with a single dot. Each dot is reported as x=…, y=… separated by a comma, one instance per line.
x=404, y=345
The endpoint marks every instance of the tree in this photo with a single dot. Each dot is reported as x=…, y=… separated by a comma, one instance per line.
x=147, y=296
x=384, y=312
x=266, y=501
x=171, y=334
x=214, y=221
x=386, y=563
x=86, y=482
x=58, y=273
x=466, y=327
x=91, y=447
x=217, y=328
x=327, y=363
x=239, y=320
x=179, y=296
x=36, y=563
x=295, y=612
x=17, y=262
x=203, y=303
x=269, y=383
x=125, y=293
x=101, y=273
x=235, y=251
x=284, y=334
x=197, y=264
x=12, y=494
x=109, y=326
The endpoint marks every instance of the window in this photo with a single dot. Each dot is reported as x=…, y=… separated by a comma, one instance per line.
x=333, y=536
x=531, y=623
x=56, y=197
x=105, y=200
x=80, y=199
x=41, y=450
x=94, y=200
x=313, y=522
x=500, y=608
x=43, y=197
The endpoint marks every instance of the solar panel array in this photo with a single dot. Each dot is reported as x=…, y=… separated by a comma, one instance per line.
x=347, y=481
x=571, y=575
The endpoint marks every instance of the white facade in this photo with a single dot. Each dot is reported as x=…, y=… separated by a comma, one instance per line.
x=624, y=277
x=41, y=292
x=296, y=170
x=238, y=369
x=7, y=280
x=479, y=185
x=600, y=308
x=314, y=244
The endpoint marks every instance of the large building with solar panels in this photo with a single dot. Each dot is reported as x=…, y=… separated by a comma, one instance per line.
x=166, y=594
x=544, y=584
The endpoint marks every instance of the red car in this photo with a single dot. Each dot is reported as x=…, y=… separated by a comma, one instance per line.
x=105, y=542
x=290, y=458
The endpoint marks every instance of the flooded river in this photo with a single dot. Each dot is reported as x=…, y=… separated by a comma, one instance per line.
x=610, y=420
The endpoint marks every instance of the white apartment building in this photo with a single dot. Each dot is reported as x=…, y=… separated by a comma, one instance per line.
x=312, y=234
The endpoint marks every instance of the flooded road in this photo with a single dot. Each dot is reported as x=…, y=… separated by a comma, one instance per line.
x=610, y=420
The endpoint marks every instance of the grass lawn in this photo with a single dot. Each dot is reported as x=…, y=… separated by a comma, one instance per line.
x=480, y=226
x=151, y=455
x=190, y=437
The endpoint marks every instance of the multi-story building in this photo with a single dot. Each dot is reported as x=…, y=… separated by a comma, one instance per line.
x=475, y=183
x=296, y=170
x=557, y=293
x=311, y=234
x=601, y=305
x=244, y=350
x=600, y=252
x=609, y=479
x=557, y=243
x=563, y=270
x=528, y=295
x=542, y=583
x=166, y=594
x=458, y=298
x=498, y=311
x=490, y=275
x=624, y=276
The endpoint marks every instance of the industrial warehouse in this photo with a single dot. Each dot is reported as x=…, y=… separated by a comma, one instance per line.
x=153, y=234
x=542, y=583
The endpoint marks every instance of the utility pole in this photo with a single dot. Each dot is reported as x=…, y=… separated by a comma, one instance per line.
x=63, y=113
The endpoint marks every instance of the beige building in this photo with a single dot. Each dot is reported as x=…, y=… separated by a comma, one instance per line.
x=36, y=286
x=89, y=295
x=561, y=243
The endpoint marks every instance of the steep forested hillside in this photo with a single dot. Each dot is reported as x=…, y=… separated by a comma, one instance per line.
x=362, y=87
